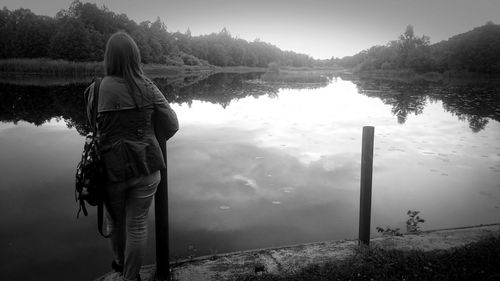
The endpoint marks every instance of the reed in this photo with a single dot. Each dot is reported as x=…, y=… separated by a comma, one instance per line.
x=50, y=67
x=44, y=67
x=301, y=76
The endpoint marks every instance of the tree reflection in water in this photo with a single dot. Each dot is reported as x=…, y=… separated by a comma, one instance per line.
x=220, y=88
x=39, y=104
x=472, y=102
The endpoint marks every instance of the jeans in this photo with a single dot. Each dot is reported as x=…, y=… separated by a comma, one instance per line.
x=130, y=202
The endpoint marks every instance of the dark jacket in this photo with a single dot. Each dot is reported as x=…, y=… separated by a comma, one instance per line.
x=129, y=127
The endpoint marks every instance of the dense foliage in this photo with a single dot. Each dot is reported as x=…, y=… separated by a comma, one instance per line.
x=473, y=51
x=80, y=32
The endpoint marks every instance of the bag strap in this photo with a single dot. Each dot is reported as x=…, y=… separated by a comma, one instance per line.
x=95, y=102
x=93, y=121
x=100, y=204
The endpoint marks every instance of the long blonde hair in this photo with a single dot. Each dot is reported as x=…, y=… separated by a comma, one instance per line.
x=122, y=58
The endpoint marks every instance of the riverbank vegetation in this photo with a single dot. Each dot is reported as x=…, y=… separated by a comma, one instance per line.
x=285, y=77
x=475, y=51
x=24, y=69
x=51, y=67
x=476, y=261
x=304, y=75
x=78, y=35
x=80, y=32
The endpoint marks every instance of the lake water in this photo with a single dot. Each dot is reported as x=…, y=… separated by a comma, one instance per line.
x=254, y=165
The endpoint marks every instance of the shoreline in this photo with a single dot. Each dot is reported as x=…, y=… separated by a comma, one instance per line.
x=285, y=260
x=43, y=67
x=47, y=72
x=409, y=75
x=61, y=68
x=33, y=73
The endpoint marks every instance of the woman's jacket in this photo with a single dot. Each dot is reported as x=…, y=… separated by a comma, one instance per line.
x=129, y=127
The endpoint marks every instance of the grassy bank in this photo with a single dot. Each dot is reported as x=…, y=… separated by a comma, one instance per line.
x=294, y=77
x=60, y=72
x=60, y=68
x=49, y=67
x=43, y=71
x=476, y=261
x=63, y=68
x=299, y=75
x=240, y=69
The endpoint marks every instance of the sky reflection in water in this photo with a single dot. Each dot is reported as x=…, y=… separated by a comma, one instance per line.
x=264, y=170
x=285, y=169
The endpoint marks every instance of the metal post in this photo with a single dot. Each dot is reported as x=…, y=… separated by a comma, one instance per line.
x=161, y=222
x=366, y=185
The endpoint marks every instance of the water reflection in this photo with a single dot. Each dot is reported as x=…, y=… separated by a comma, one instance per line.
x=256, y=165
x=220, y=88
x=38, y=105
x=269, y=167
x=39, y=229
x=472, y=102
x=235, y=192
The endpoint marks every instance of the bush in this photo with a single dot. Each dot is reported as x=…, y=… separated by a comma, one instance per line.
x=190, y=59
x=273, y=67
x=386, y=65
x=172, y=60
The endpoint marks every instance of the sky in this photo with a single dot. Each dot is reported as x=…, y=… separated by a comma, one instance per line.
x=319, y=28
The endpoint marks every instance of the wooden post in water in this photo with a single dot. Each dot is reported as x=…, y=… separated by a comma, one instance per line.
x=366, y=185
x=161, y=222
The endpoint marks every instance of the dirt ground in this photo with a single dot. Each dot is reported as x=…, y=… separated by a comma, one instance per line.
x=291, y=258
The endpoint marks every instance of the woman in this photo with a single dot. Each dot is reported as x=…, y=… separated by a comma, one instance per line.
x=132, y=115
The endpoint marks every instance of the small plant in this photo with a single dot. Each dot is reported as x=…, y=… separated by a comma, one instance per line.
x=213, y=254
x=389, y=231
x=412, y=224
x=192, y=252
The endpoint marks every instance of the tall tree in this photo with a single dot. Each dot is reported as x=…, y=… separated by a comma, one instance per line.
x=71, y=41
x=411, y=48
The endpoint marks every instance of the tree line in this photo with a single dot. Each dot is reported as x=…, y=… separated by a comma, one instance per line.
x=473, y=51
x=80, y=32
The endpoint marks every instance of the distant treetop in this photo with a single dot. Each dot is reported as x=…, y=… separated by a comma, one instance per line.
x=473, y=51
